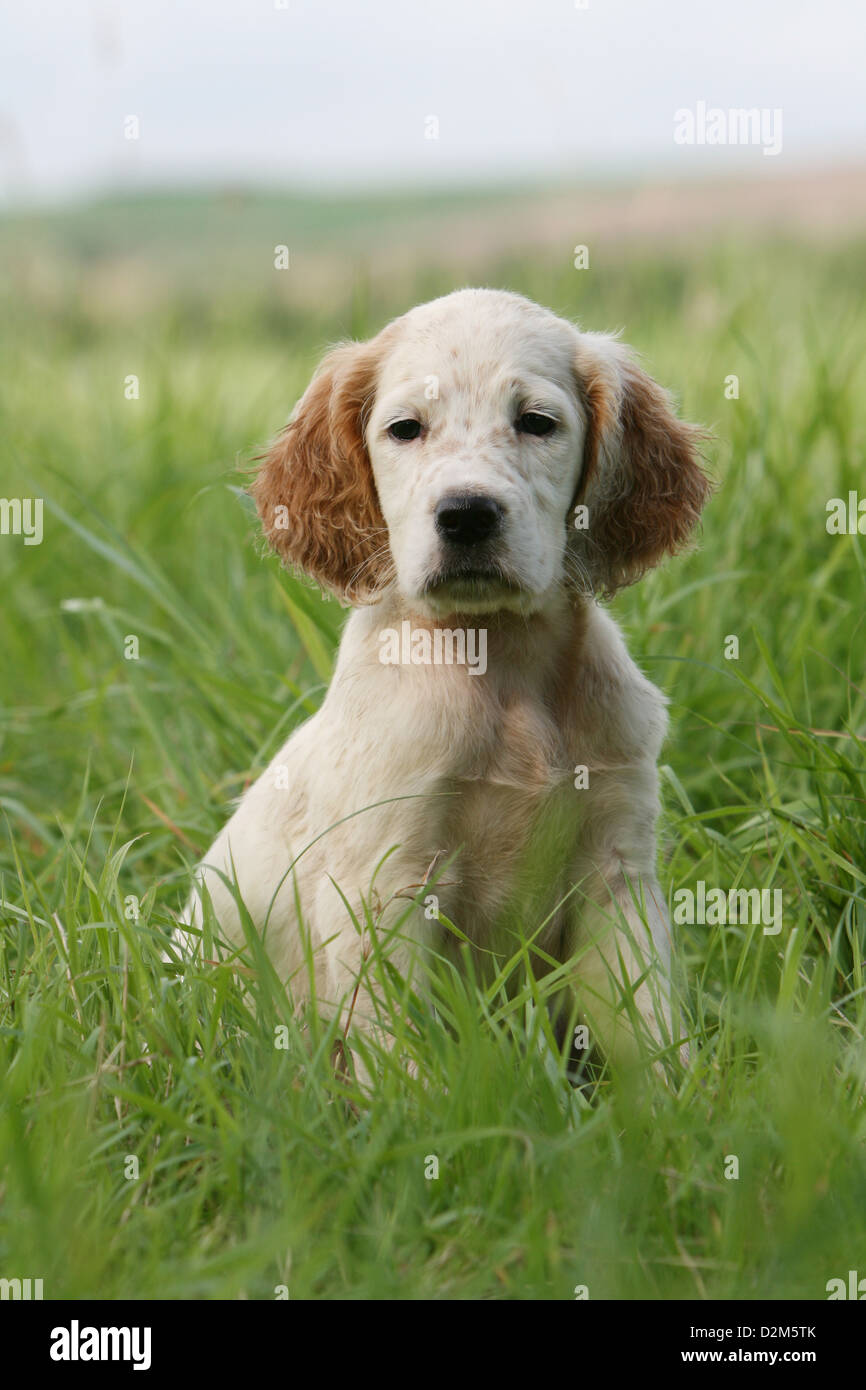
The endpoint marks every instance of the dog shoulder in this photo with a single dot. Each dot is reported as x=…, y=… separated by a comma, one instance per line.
x=617, y=705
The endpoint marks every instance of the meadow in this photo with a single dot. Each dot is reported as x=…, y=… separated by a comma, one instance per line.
x=154, y=1142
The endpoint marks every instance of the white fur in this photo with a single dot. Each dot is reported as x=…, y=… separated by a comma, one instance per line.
x=443, y=772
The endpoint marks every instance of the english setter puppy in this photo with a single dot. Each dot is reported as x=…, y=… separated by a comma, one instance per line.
x=472, y=481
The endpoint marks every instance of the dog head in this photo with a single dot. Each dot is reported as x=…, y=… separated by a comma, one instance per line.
x=479, y=454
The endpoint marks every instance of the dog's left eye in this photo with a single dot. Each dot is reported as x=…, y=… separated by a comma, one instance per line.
x=533, y=422
x=405, y=430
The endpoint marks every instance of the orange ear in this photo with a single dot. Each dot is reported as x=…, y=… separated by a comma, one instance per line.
x=315, y=491
x=642, y=482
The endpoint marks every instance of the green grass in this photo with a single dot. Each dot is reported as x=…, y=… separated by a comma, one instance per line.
x=261, y=1166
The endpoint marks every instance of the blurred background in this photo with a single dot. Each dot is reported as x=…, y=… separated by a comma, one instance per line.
x=160, y=152
x=197, y=198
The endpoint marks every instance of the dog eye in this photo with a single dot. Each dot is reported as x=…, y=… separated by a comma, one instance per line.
x=532, y=422
x=405, y=430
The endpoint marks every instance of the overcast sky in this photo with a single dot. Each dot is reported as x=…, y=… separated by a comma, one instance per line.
x=342, y=91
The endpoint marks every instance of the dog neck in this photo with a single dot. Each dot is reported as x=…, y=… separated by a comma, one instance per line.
x=539, y=651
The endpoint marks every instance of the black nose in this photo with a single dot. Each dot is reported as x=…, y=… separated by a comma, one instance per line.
x=465, y=518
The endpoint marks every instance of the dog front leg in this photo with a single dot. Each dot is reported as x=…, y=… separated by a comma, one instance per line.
x=622, y=951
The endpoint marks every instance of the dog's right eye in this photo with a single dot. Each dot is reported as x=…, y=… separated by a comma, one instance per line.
x=405, y=430
x=533, y=422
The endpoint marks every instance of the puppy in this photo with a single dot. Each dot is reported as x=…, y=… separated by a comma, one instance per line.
x=472, y=480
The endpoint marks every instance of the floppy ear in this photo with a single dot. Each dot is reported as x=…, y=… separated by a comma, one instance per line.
x=642, y=482
x=315, y=491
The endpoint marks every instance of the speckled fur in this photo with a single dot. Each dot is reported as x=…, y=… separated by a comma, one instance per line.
x=459, y=776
